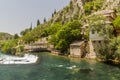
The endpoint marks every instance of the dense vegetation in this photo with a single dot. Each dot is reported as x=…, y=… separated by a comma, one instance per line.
x=5, y=36
x=116, y=23
x=111, y=48
x=93, y=6
x=9, y=46
x=65, y=35
x=59, y=35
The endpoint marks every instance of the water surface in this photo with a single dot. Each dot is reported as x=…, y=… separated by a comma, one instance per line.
x=51, y=67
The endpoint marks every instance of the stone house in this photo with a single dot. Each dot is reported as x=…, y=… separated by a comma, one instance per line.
x=109, y=15
x=96, y=40
x=78, y=49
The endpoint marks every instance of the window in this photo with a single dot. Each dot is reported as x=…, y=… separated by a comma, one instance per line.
x=93, y=31
x=105, y=41
x=99, y=41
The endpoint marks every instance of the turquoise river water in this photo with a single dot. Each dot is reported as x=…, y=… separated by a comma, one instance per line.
x=51, y=67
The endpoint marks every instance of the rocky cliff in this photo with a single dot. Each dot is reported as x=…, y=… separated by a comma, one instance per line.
x=111, y=4
x=73, y=11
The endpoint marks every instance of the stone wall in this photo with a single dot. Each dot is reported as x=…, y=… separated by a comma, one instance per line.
x=111, y=4
x=95, y=36
x=76, y=49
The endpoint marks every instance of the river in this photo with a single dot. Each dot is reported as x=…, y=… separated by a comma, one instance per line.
x=52, y=67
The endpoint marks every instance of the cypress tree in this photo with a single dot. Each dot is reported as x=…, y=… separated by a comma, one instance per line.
x=44, y=20
x=31, y=27
x=55, y=11
x=52, y=15
x=38, y=22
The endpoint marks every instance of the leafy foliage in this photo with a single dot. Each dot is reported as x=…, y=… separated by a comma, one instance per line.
x=93, y=6
x=115, y=47
x=5, y=36
x=9, y=47
x=116, y=22
x=66, y=35
x=112, y=50
x=33, y=35
x=51, y=29
x=22, y=33
x=16, y=36
x=97, y=23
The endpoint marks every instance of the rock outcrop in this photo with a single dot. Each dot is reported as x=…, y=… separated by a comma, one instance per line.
x=111, y=4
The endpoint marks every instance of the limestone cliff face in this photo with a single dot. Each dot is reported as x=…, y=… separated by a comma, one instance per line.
x=79, y=3
x=75, y=10
x=71, y=12
x=108, y=4
x=111, y=4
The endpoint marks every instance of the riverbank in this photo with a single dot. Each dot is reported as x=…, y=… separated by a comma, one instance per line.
x=26, y=59
x=108, y=62
x=112, y=63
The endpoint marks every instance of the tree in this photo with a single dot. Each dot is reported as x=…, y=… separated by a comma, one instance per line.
x=30, y=27
x=16, y=36
x=55, y=12
x=52, y=15
x=116, y=23
x=38, y=22
x=114, y=49
x=24, y=32
x=97, y=23
x=44, y=20
x=29, y=37
x=71, y=5
x=62, y=45
x=66, y=35
x=54, y=28
x=9, y=47
x=91, y=6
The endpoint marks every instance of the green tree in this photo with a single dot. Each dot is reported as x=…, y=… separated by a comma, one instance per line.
x=114, y=46
x=71, y=5
x=93, y=6
x=30, y=27
x=9, y=47
x=44, y=20
x=16, y=36
x=24, y=32
x=97, y=23
x=66, y=35
x=54, y=28
x=62, y=45
x=29, y=37
x=38, y=22
x=52, y=15
x=55, y=12
x=116, y=23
